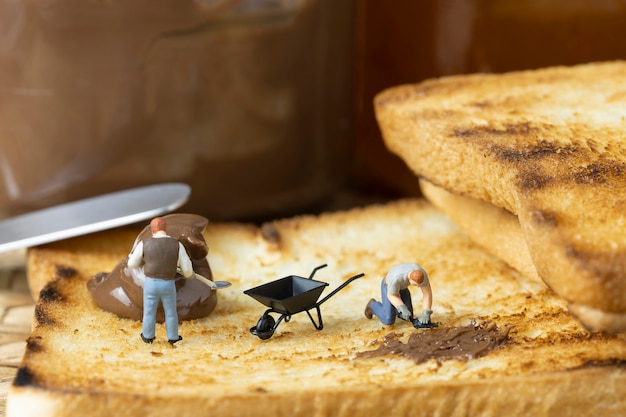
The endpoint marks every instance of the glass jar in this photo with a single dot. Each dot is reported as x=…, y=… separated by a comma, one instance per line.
x=248, y=101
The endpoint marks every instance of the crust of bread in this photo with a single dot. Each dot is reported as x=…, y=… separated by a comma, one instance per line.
x=83, y=361
x=547, y=145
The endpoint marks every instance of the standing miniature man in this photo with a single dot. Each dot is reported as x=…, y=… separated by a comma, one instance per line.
x=160, y=256
x=396, y=297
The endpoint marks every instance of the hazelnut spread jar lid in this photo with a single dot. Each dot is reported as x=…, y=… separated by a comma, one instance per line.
x=237, y=98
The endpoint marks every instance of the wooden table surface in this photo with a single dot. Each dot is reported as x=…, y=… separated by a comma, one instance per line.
x=16, y=315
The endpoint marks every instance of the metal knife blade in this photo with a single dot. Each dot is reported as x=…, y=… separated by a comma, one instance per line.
x=91, y=215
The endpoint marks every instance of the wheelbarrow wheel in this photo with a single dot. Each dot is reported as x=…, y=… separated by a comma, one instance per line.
x=265, y=327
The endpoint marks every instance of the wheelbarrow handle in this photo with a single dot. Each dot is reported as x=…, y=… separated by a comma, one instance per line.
x=316, y=269
x=339, y=288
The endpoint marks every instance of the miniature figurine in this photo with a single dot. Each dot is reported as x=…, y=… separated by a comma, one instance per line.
x=396, y=297
x=120, y=291
x=161, y=256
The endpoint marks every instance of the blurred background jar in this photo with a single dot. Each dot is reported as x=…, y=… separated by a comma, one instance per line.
x=263, y=106
x=248, y=101
x=407, y=41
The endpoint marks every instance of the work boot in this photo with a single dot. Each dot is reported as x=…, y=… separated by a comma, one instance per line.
x=145, y=339
x=171, y=342
x=368, y=309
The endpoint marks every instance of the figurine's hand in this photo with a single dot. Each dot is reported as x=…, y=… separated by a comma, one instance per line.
x=425, y=317
x=403, y=312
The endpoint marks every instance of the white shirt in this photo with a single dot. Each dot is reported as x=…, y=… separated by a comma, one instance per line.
x=397, y=278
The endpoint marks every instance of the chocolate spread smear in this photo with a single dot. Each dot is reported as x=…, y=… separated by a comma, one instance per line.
x=460, y=343
x=121, y=290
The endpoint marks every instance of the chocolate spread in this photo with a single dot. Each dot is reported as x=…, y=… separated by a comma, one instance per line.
x=460, y=343
x=121, y=290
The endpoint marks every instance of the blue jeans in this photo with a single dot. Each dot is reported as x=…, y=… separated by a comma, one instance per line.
x=157, y=291
x=386, y=311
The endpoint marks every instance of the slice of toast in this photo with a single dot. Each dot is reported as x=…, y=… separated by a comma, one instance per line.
x=549, y=146
x=83, y=361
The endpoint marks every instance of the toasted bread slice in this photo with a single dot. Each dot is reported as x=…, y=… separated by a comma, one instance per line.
x=83, y=361
x=549, y=146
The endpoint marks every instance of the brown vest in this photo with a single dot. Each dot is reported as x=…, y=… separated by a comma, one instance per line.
x=160, y=257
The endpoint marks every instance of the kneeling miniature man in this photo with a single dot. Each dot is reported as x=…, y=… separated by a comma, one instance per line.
x=396, y=297
x=160, y=256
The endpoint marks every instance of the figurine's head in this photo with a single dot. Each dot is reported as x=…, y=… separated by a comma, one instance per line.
x=157, y=225
x=416, y=277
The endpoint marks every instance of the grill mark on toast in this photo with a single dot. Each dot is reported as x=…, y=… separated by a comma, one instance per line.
x=50, y=293
x=596, y=363
x=544, y=163
x=24, y=377
x=65, y=271
x=542, y=150
x=33, y=344
x=600, y=172
x=510, y=129
x=271, y=235
x=42, y=317
x=533, y=180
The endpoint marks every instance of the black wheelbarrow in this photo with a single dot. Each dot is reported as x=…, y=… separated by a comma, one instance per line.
x=290, y=295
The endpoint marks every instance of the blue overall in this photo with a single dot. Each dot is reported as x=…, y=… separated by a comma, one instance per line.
x=157, y=291
x=386, y=311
